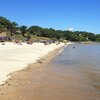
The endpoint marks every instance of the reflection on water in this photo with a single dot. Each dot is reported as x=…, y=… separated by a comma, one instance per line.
x=80, y=66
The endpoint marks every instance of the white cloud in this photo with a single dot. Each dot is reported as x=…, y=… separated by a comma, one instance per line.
x=70, y=29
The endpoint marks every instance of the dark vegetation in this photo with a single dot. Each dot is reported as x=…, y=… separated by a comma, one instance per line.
x=35, y=33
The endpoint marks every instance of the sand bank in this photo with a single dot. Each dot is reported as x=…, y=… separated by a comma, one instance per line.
x=15, y=57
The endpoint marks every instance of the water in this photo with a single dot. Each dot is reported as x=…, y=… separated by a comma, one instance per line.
x=84, y=58
x=75, y=73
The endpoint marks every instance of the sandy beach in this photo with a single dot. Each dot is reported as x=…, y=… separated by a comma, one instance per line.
x=21, y=81
x=15, y=57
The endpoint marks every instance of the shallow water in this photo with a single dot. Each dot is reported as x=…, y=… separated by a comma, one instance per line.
x=75, y=73
x=84, y=58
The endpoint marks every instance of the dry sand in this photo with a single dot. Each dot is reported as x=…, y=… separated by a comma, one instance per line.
x=15, y=57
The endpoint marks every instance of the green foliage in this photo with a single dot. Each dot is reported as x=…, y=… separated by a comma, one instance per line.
x=4, y=22
x=35, y=32
x=97, y=37
x=2, y=28
x=7, y=25
x=23, y=30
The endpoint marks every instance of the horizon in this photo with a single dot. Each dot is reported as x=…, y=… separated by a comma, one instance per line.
x=59, y=15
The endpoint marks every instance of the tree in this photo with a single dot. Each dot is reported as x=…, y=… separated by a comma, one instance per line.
x=35, y=30
x=23, y=30
x=12, y=27
x=5, y=22
x=7, y=25
x=2, y=28
x=97, y=37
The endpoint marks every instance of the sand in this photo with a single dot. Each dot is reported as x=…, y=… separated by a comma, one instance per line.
x=22, y=83
x=14, y=57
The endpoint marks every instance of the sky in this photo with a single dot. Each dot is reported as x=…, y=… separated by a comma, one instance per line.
x=80, y=15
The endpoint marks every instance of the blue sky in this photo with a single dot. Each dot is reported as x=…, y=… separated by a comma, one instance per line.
x=81, y=15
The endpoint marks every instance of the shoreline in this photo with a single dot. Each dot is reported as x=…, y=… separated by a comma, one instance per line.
x=21, y=80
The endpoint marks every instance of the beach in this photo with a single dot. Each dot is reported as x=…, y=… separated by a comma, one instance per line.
x=58, y=75
x=14, y=57
x=21, y=68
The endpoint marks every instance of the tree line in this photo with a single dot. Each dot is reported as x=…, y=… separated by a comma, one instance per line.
x=13, y=29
